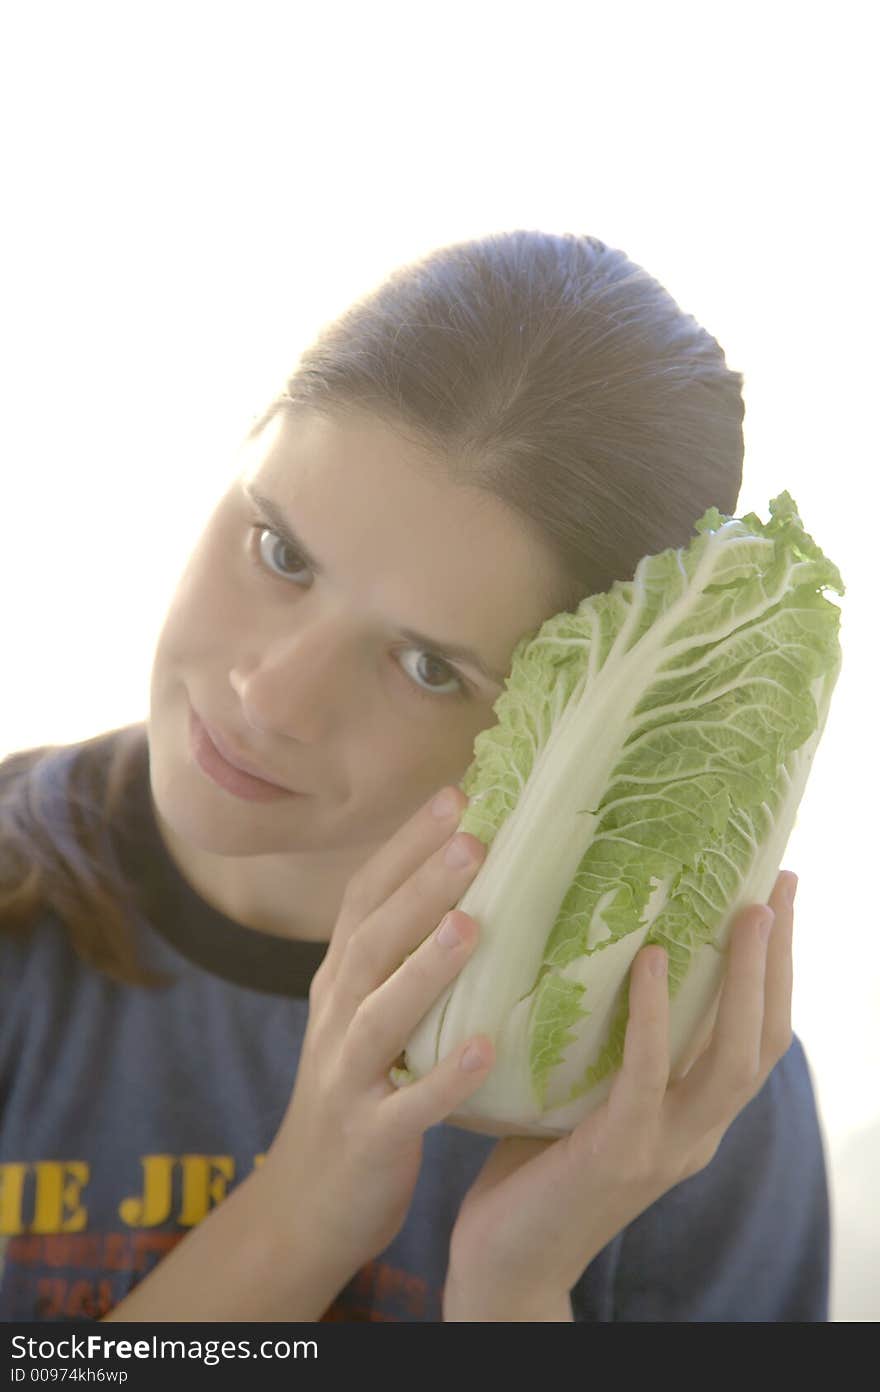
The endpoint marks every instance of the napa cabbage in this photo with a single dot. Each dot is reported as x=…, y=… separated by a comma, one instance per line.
x=639, y=786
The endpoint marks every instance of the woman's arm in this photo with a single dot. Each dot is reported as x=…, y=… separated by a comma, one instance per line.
x=245, y=1261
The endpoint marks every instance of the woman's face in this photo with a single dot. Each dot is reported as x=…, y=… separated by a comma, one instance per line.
x=307, y=672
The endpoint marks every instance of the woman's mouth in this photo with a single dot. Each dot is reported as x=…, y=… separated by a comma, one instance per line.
x=226, y=775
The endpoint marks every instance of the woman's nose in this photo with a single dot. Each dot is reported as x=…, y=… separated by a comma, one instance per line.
x=297, y=683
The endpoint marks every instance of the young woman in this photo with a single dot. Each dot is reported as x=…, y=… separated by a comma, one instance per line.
x=205, y=973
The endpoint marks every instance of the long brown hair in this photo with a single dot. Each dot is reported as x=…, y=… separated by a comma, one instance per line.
x=549, y=370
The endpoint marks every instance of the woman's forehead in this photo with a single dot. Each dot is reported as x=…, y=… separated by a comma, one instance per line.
x=376, y=516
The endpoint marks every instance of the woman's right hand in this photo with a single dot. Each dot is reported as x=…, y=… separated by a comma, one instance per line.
x=348, y=1152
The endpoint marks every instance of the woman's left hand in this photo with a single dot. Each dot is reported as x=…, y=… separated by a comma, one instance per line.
x=540, y=1211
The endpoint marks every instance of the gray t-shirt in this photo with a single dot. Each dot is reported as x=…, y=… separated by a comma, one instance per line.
x=127, y=1113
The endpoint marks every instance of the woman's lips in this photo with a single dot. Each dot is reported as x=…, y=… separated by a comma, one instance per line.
x=224, y=774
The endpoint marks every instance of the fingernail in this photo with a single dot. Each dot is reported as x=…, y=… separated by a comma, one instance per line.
x=472, y=1058
x=657, y=963
x=448, y=934
x=765, y=923
x=444, y=803
x=458, y=854
x=791, y=889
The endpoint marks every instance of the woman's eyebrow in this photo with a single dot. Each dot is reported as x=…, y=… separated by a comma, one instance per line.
x=272, y=512
x=280, y=524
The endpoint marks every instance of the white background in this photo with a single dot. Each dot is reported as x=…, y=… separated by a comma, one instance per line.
x=191, y=190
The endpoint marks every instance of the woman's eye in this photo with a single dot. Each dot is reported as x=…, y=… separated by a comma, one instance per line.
x=454, y=684
x=424, y=657
x=297, y=562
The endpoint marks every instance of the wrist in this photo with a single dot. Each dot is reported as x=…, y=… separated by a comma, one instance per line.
x=477, y=1299
x=299, y=1254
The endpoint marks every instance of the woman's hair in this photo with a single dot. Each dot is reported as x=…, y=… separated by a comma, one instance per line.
x=548, y=370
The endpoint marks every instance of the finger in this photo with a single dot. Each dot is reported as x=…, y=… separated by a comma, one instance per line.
x=385, y=1019
x=728, y=1071
x=637, y=1094
x=387, y=939
x=392, y=865
x=778, y=984
x=411, y=1109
